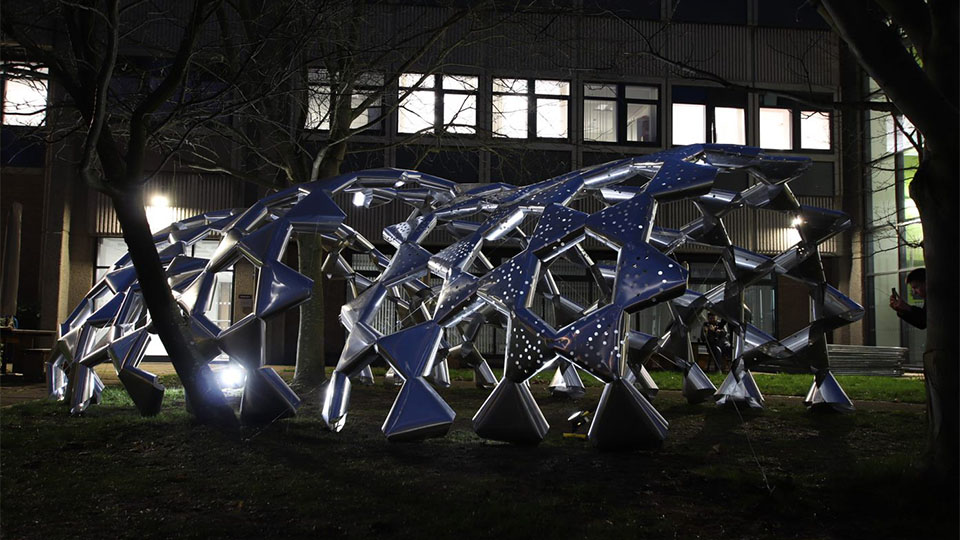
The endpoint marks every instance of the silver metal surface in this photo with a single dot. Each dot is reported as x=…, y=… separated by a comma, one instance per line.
x=455, y=291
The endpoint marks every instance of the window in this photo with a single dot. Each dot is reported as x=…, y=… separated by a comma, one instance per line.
x=814, y=130
x=689, y=123
x=321, y=94
x=109, y=251
x=620, y=113
x=790, y=14
x=785, y=125
x=709, y=11
x=776, y=128
x=527, y=108
x=24, y=96
x=713, y=115
x=438, y=103
x=418, y=108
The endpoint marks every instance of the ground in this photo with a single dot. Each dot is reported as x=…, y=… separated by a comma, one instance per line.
x=778, y=473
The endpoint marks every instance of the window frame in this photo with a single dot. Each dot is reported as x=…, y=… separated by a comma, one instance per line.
x=440, y=126
x=797, y=112
x=532, y=99
x=713, y=99
x=41, y=76
x=316, y=79
x=622, y=103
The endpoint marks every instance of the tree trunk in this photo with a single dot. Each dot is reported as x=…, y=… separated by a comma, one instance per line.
x=935, y=191
x=310, y=372
x=208, y=402
x=311, y=361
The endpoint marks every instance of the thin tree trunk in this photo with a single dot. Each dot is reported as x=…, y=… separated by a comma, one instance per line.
x=310, y=372
x=207, y=400
x=935, y=191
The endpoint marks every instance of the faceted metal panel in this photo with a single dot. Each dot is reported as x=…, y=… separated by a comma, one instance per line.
x=500, y=272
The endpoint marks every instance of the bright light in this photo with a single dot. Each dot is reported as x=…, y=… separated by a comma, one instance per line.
x=797, y=221
x=362, y=198
x=793, y=236
x=159, y=213
x=689, y=123
x=231, y=376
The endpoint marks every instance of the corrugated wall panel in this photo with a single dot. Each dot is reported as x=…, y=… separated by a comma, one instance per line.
x=741, y=228
x=812, y=58
x=612, y=46
x=763, y=231
x=531, y=44
x=774, y=233
x=675, y=215
x=188, y=195
x=720, y=49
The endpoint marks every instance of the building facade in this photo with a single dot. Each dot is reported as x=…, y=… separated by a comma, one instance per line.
x=548, y=91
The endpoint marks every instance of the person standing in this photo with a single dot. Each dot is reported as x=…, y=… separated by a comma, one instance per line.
x=913, y=315
x=717, y=341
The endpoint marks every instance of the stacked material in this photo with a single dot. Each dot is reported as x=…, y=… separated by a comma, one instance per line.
x=867, y=360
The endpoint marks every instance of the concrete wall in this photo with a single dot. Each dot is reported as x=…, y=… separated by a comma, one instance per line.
x=20, y=185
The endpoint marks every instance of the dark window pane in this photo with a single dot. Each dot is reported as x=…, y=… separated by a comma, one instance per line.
x=717, y=97
x=710, y=11
x=790, y=14
x=689, y=94
x=18, y=148
x=640, y=9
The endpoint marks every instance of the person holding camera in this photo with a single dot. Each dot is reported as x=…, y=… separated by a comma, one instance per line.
x=913, y=315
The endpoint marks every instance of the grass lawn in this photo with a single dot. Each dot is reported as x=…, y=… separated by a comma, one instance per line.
x=857, y=387
x=778, y=473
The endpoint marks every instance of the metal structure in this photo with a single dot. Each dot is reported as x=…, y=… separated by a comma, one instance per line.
x=539, y=221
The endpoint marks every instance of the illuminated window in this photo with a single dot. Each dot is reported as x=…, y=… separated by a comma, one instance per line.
x=523, y=108
x=24, y=96
x=730, y=125
x=776, y=128
x=814, y=130
x=437, y=103
x=786, y=125
x=551, y=116
x=600, y=112
x=620, y=113
x=689, y=123
x=366, y=86
x=708, y=115
x=417, y=107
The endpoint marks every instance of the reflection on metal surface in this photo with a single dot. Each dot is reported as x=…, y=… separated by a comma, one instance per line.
x=468, y=292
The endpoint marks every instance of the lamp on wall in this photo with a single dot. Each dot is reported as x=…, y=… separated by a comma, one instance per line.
x=159, y=212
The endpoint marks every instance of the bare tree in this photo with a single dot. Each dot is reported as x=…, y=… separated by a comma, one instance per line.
x=81, y=44
x=910, y=49
x=308, y=78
